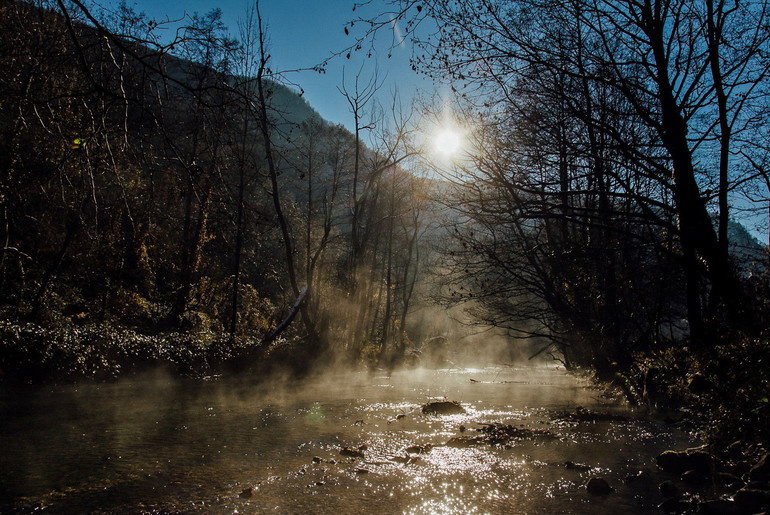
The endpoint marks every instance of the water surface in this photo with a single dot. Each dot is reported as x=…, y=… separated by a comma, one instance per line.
x=151, y=444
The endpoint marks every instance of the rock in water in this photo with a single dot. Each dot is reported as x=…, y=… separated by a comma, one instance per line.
x=668, y=489
x=751, y=501
x=419, y=449
x=353, y=453
x=642, y=475
x=694, y=477
x=443, y=408
x=761, y=471
x=598, y=486
x=678, y=462
x=464, y=441
x=719, y=507
x=675, y=506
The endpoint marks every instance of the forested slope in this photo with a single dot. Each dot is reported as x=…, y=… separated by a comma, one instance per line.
x=137, y=193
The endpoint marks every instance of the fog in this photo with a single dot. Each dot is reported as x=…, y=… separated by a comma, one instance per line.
x=330, y=442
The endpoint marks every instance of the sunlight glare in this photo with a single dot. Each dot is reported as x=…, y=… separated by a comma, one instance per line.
x=448, y=141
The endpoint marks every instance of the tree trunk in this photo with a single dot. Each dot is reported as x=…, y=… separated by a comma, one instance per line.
x=73, y=223
x=695, y=228
x=273, y=175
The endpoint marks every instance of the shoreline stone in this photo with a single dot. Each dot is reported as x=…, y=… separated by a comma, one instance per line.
x=598, y=486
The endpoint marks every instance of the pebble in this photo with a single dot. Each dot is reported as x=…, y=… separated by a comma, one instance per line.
x=598, y=486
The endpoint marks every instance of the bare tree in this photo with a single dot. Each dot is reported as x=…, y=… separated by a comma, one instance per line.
x=689, y=75
x=262, y=107
x=358, y=96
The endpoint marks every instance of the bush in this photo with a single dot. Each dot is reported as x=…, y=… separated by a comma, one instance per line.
x=725, y=389
x=741, y=393
x=30, y=353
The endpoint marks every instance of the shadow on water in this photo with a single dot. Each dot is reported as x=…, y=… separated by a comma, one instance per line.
x=150, y=444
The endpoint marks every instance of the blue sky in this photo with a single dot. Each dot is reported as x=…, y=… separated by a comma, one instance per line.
x=302, y=33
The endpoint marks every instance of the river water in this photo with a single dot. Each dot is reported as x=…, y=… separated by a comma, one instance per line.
x=155, y=445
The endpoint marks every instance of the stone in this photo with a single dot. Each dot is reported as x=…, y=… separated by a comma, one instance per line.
x=679, y=462
x=674, y=506
x=642, y=475
x=571, y=465
x=728, y=479
x=598, y=486
x=671, y=461
x=405, y=460
x=693, y=477
x=668, y=489
x=741, y=468
x=582, y=414
x=353, y=453
x=761, y=471
x=443, y=408
x=751, y=501
x=501, y=434
x=419, y=449
x=463, y=441
x=735, y=450
x=719, y=507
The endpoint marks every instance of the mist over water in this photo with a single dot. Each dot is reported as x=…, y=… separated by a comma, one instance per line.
x=151, y=444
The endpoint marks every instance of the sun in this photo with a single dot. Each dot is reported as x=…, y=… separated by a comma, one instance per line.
x=448, y=141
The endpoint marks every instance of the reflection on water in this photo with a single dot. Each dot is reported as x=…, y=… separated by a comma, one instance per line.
x=150, y=444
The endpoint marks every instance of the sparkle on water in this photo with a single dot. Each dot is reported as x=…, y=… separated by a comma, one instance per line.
x=197, y=447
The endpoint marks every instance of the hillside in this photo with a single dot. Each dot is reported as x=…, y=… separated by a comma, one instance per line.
x=138, y=192
x=749, y=254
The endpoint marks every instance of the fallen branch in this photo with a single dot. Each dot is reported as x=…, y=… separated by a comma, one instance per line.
x=272, y=335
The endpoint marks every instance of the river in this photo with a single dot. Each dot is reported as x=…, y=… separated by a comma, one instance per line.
x=156, y=445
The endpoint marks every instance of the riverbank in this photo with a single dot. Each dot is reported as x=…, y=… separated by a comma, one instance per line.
x=33, y=354
x=729, y=481
x=720, y=395
x=721, y=392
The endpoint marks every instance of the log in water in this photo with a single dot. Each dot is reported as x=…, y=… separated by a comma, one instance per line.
x=343, y=443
